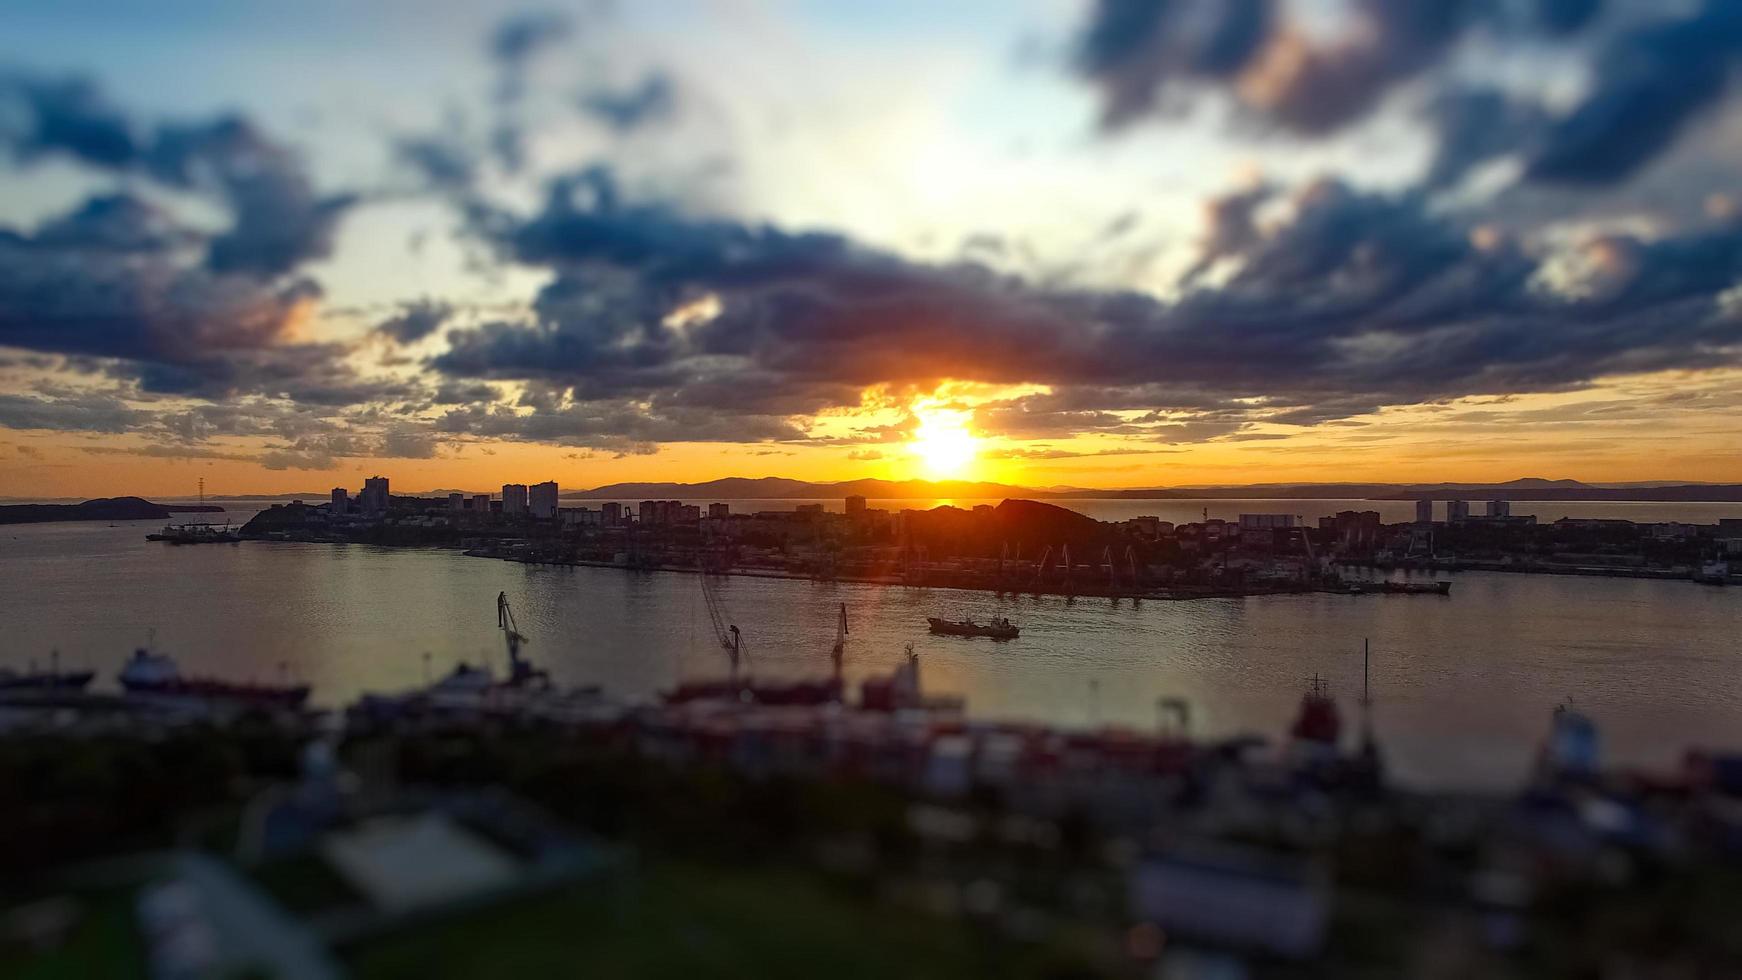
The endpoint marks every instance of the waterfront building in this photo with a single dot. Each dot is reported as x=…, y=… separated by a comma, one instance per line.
x=689, y=514
x=542, y=500
x=1424, y=511
x=341, y=500
x=456, y=501
x=1262, y=522
x=1457, y=510
x=481, y=503
x=662, y=511
x=611, y=513
x=373, y=499
x=855, y=506
x=1499, y=508
x=719, y=510
x=810, y=510
x=513, y=498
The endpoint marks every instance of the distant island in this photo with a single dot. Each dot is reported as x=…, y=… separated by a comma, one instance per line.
x=101, y=509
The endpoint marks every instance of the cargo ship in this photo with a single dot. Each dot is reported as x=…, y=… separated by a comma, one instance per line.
x=997, y=629
x=157, y=675
x=55, y=679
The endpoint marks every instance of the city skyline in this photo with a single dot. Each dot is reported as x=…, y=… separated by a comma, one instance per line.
x=1092, y=244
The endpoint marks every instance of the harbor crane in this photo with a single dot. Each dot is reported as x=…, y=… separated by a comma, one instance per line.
x=520, y=672
x=841, y=631
x=731, y=640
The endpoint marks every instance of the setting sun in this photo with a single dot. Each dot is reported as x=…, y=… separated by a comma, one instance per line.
x=942, y=443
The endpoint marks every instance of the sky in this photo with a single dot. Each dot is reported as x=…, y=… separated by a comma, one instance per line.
x=1107, y=243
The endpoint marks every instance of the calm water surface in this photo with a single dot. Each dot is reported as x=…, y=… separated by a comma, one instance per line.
x=1464, y=684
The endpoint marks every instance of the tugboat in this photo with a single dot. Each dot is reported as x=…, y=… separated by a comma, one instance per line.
x=157, y=675
x=997, y=629
x=11, y=681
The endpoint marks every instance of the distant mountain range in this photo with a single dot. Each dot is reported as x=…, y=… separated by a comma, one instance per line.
x=781, y=488
x=775, y=488
x=1528, y=488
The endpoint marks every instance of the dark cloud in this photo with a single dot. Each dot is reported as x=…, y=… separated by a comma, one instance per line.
x=277, y=220
x=1350, y=301
x=415, y=321
x=653, y=100
x=1653, y=73
x=114, y=223
x=89, y=412
x=1647, y=85
x=1135, y=49
x=518, y=38
x=120, y=281
x=69, y=116
x=444, y=162
x=617, y=427
x=1475, y=125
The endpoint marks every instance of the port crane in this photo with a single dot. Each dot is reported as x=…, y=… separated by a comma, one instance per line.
x=731, y=640
x=840, y=650
x=519, y=671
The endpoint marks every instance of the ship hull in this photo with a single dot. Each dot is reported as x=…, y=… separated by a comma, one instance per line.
x=287, y=697
x=944, y=627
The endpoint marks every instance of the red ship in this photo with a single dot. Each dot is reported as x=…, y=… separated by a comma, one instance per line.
x=157, y=674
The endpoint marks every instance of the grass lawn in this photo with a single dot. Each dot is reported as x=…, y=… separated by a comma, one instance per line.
x=105, y=943
x=684, y=921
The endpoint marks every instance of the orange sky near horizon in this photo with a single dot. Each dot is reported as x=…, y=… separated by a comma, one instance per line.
x=1662, y=427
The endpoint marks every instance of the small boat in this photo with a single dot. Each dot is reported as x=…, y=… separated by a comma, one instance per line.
x=156, y=674
x=997, y=629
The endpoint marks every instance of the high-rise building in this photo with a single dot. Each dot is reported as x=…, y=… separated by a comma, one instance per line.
x=513, y=498
x=341, y=500
x=1499, y=508
x=374, y=496
x=542, y=500
x=1457, y=510
x=719, y=510
x=456, y=501
x=855, y=506
x=481, y=503
x=688, y=514
x=611, y=513
x=1424, y=512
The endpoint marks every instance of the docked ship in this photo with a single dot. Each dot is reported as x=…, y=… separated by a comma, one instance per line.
x=157, y=675
x=54, y=679
x=997, y=629
x=196, y=534
x=1441, y=587
x=1319, y=723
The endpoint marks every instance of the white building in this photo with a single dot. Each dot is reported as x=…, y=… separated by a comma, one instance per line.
x=513, y=498
x=1424, y=512
x=542, y=500
x=1499, y=508
x=1457, y=510
x=456, y=501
